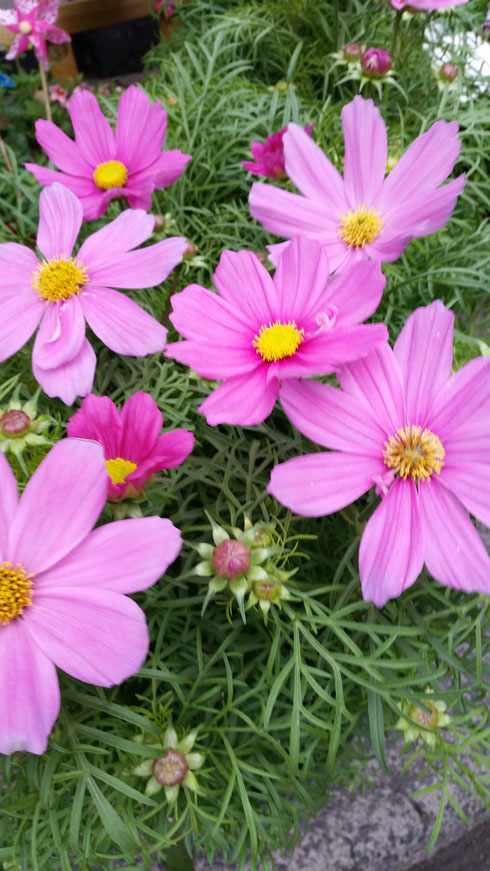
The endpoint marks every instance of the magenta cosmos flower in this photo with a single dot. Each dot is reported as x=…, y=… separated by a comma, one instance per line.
x=133, y=448
x=269, y=155
x=59, y=292
x=62, y=588
x=258, y=331
x=423, y=437
x=362, y=215
x=420, y=5
x=33, y=21
x=100, y=166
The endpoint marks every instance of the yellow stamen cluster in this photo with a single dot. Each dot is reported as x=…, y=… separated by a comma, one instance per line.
x=358, y=228
x=15, y=592
x=119, y=469
x=59, y=279
x=112, y=174
x=278, y=340
x=415, y=453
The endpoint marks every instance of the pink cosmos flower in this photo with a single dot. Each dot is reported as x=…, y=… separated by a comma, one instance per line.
x=33, y=21
x=62, y=588
x=269, y=156
x=133, y=448
x=419, y=5
x=362, y=215
x=58, y=94
x=423, y=437
x=60, y=292
x=100, y=166
x=258, y=331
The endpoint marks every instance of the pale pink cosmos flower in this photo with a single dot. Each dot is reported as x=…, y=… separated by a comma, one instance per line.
x=269, y=155
x=59, y=291
x=33, y=21
x=133, y=448
x=100, y=166
x=421, y=5
x=362, y=215
x=63, y=586
x=258, y=330
x=59, y=95
x=422, y=436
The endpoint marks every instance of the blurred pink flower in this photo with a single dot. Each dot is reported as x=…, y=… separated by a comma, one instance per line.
x=269, y=156
x=100, y=165
x=419, y=5
x=169, y=7
x=422, y=436
x=33, y=21
x=63, y=586
x=60, y=291
x=362, y=215
x=58, y=94
x=133, y=448
x=258, y=330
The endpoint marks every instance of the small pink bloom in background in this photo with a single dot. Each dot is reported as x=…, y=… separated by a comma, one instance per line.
x=58, y=94
x=168, y=6
x=33, y=21
x=269, y=156
x=63, y=586
x=258, y=330
x=362, y=215
x=59, y=292
x=100, y=165
x=376, y=62
x=133, y=448
x=422, y=5
x=352, y=51
x=403, y=423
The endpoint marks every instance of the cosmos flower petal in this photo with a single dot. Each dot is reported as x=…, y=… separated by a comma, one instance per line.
x=323, y=483
x=60, y=336
x=99, y=420
x=130, y=229
x=122, y=324
x=71, y=379
x=331, y=418
x=244, y=400
x=301, y=279
x=422, y=215
x=245, y=283
x=141, y=421
x=145, y=267
x=173, y=447
x=29, y=692
x=61, y=150
x=324, y=353
x=215, y=360
x=288, y=214
x=454, y=552
x=310, y=169
x=54, y=516
x=461, y=412
x=391, y=553
x=95, y=635
x=376, y=380
x=366, y=152
x=424, y=351
x=425, y=164
x=201, y=315
x=20, y=313
x=124, y=556
x=60, y=219
x=93, y=134
x=8, y=504
x=140, y=129
x=356, y=292
x=91, y=198
x=470, y=482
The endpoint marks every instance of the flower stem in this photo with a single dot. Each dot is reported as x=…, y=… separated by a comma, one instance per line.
x=44, y=85
x=4, y=153
x=396, y=29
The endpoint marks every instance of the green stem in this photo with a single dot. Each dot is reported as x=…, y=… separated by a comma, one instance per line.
x=337, y=24
x=396, y=29
x=44, y=86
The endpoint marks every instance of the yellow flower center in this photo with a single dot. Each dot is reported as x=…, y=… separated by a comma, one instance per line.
x=359, y=228
x=428, y=719
x=59, y=279
x=112, y=174
x=278, y=340
x=119, y=469
x=15, y=592
x=413, y=452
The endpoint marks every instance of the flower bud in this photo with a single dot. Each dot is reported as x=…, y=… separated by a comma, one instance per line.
x=448, y=72
x=159, y=221
x=376, y=62
x=230, y=559
x=14, y=422
x=172, y=101
x=352, y=51
x=190, y=251
x=170, y=769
